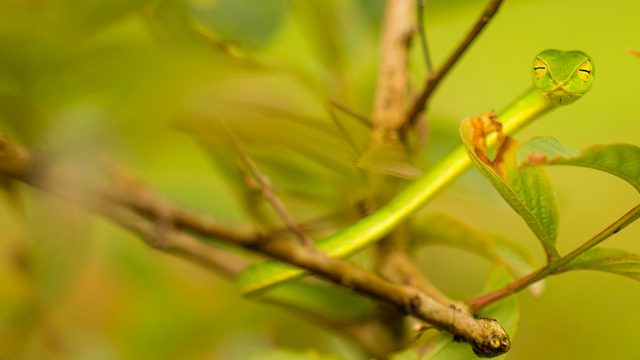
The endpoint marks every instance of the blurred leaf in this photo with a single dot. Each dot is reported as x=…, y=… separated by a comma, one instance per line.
x=304, y=155
x=613, y=261
x=506, y=312
x=440, y=229
x=528, y=190
x=59, y=237
x=82, y=16
x=320, y=299
x=321, y=21
x=64, y=19
x=282, y=354
x=374, y=10
x=171, y=20
x=389, y=157
x=19, y=116
x=621, y=160
x=246, y=22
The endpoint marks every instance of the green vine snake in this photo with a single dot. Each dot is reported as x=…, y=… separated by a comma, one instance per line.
x=559, y=78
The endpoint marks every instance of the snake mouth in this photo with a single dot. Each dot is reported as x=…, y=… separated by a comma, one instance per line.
x=559, y=95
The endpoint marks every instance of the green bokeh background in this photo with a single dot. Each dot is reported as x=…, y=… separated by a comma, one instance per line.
x=116, y=78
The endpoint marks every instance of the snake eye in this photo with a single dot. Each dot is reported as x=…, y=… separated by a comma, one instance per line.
x=539, y=68
x=585, y=70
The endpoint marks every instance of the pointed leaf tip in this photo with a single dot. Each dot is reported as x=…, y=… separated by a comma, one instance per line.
x=621, y=160
x=613, y=261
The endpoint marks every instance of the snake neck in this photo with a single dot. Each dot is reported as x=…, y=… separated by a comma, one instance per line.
x=524, y=109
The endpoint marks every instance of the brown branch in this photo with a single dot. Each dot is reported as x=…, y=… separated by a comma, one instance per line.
x=434, y=79
x=405, y=267
x=174, y=242
x=485, y=336
x=385, y=152
x=17, y=163
x=482, y=334
x=392, y=87
x=370, y=337
x=129, y=192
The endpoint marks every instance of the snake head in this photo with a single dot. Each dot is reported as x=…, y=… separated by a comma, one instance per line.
x=563, y=76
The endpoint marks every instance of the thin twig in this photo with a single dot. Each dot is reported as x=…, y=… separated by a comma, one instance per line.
x=269, y=194
x=484, y=335
x=20, y=165
x=174, y=242
x=422, y=33
x=434, y=79
x=556, y=265
x=343, y=130
x=359, y=117
x=130, y=192
x=625, y=220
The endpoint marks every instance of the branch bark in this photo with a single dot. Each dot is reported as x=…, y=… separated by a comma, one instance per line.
x=391, y=89
x=20, y=165
x=173, y=242
x=385, y=152
x=485, y=336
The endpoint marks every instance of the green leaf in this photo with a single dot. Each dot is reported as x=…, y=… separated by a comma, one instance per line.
x=506, y=312
x=441, y=229
x=527, y=190
x=621, y=160
x=613, y=261
x=323, y=26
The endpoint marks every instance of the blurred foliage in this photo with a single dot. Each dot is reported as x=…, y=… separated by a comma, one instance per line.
x=149, y=82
